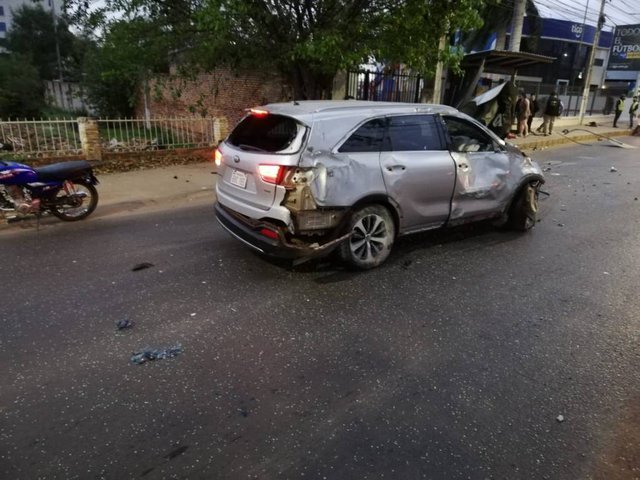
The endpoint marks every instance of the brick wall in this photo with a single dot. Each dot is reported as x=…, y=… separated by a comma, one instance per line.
x=219, y=93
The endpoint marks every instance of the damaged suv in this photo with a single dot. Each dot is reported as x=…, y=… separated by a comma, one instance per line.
x=298, y=180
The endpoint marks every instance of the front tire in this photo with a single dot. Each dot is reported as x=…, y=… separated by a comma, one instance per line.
x=76, y=200
x=372, y=235
x=524, y=210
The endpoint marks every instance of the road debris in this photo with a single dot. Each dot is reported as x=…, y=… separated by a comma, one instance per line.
x=141, y=266
x=613, y=169
x=560, y=418
x=124, y=324
x=176, y=452
x=155, y=354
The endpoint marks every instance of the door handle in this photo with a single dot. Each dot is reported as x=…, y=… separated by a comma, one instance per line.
x=391, y=168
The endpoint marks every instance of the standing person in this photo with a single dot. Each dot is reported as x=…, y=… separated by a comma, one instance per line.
x=632, y=110
x=523, y=111
x=552, y=109
x=534, y=107
x=619, y=109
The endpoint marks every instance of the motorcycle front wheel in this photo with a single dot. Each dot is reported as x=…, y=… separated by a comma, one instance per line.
x=76, y=200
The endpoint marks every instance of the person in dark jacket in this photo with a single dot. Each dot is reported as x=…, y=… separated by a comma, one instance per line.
x=552, y=109
x=533, y=107
x=619, y=110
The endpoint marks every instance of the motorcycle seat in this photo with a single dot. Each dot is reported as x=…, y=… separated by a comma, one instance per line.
x=62, y=170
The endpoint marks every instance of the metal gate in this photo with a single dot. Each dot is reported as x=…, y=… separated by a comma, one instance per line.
x=384, y=86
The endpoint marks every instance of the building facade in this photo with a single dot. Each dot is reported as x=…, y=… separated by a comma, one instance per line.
x=8, y=7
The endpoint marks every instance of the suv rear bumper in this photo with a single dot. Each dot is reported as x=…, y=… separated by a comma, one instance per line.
x=248, y=232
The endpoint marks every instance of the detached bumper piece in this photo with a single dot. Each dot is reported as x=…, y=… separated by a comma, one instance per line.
x=268, y=239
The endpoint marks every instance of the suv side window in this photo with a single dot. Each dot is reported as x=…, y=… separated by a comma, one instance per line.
x=408, y=133
x=466, y=137
x=367, y=138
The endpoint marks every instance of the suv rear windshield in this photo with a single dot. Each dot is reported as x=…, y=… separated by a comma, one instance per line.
x=268, y=133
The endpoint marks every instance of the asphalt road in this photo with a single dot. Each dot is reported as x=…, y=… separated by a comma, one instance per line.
x=454, y=360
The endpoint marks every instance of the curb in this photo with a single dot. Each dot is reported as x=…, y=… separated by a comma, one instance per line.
x=566, y=139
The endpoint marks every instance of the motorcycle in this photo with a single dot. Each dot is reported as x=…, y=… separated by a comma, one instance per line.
x=66, y=190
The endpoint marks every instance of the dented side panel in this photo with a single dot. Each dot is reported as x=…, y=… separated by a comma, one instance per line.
x=342, y=179
x=486, y=181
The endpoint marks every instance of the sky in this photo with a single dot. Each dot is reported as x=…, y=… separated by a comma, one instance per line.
x=617, y=12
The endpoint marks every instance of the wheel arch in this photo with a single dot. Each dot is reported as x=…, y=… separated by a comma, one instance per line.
x=385, y=201
x=526, y=180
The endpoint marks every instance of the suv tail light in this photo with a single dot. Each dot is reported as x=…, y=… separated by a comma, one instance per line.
x=217, y=156
x=272, y=173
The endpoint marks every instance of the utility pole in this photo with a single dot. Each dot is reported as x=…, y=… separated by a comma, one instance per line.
x=438, y=81
x=579, y=47
x=592, y=57
x=55, y=35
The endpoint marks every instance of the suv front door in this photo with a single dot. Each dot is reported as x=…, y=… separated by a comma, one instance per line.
x=482, y=170
x=418, y=171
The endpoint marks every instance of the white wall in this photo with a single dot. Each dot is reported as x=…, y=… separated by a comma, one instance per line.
x=66, y=95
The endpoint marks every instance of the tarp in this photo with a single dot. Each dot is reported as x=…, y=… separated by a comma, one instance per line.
x=494, y=108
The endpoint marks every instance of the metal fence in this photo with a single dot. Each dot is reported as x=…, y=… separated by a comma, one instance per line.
x=135, y=134
x=384, y=87
x=60, y=137
x=40, y=137
x=600, y=100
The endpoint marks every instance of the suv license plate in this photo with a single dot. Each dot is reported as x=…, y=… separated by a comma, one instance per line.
x=239, y=179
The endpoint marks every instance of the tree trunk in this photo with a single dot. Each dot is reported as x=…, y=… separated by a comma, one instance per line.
x=517, y=22
x=310, y=85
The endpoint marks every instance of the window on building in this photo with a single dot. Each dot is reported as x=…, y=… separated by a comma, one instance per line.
x=1, y=11
x=3, y=27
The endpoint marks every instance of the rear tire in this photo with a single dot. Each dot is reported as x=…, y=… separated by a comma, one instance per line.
x=373, y=233
x=524, y=209
x=74, y=207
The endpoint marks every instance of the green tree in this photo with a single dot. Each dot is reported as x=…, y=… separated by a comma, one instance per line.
x=21, y=93
x=116, y=66
x=307, y=41
x=33, y=35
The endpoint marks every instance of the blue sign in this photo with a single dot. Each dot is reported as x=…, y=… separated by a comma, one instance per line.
x=566, y=30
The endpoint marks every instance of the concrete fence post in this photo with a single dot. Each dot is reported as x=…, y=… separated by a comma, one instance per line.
x=90, y=138
x=220, y=129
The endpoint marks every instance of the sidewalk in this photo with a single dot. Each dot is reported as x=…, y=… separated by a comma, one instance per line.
x=575, y=133
x=132, y=190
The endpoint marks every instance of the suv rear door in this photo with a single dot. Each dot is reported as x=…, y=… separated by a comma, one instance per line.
x=255, y=154
x=418, y=171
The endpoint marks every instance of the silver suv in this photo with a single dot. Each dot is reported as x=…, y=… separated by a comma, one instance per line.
x=297, y=180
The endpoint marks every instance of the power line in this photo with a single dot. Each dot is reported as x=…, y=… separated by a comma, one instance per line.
x=570, y=12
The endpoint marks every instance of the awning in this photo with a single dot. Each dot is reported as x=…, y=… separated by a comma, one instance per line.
x=500, y=61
